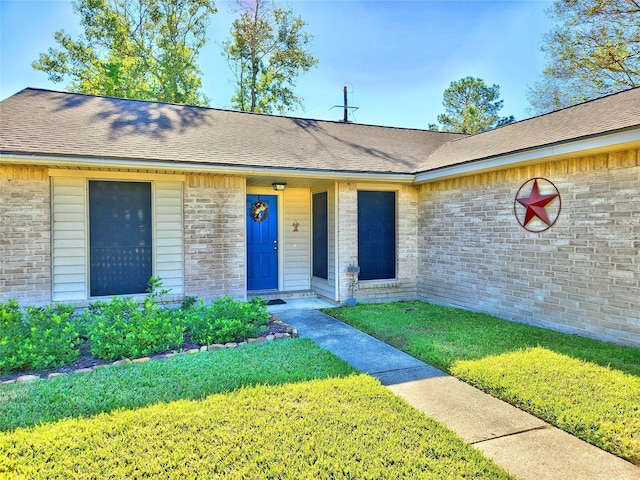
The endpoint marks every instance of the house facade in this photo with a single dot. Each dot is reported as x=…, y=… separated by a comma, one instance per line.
x=536, y=222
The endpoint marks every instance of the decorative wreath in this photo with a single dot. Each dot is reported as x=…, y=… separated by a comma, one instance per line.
x=259, y=211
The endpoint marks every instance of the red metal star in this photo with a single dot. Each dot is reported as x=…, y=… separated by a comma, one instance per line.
x=535, y=204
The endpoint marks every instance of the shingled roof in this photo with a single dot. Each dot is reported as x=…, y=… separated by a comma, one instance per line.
x=55, y=124
x=605, y=115
x=62, y=124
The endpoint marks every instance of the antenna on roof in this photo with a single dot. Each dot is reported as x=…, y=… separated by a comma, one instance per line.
x=345, y=106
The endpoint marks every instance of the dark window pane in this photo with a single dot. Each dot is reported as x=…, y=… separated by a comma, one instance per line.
x=320, y=236
x=120, y=237
x=377, y=235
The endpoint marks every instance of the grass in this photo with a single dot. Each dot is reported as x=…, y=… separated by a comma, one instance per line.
x=584, y=386
x=442, y=336
x=314, y=419
x=595, y=403
x=184, y=377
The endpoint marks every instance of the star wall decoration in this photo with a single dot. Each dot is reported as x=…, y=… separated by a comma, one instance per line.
x=537, y=205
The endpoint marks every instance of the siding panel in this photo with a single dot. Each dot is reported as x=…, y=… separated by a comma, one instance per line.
x=69, y=239
x=169, y=251
x=297, y=255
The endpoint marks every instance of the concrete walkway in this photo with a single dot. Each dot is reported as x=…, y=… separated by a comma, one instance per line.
x=524, y=445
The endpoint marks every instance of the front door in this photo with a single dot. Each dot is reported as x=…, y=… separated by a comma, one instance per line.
x=262, y=242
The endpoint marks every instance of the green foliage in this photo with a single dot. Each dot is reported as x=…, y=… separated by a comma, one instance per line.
x=597, y=404
x=225, y=320
x=121, y=328
x=118, y=328
x=471, y=107
x=137, y=385
x=593, y=50
x=38, y=338
x=188, y=302
x=334, y=428
x=154, y=288
x=267, y=50
x=144, y=49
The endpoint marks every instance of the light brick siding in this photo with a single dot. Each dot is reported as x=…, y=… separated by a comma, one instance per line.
x=214, y=236
x=403, y=287
x=581, y=276
x=25, y=239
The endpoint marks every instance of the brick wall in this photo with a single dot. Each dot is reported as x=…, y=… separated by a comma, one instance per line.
x=25, y=239
x=581, y=276
x=403, y=287
x=214, y=236
x=347, y=199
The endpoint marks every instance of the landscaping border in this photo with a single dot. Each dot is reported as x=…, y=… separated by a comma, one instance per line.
x=289, y=333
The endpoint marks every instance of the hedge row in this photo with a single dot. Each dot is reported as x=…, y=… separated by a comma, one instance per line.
x=45, y=337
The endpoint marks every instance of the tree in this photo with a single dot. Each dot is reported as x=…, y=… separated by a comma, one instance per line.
x=594, y=50
x=267, y=50
x=144, y=49
x=471, y=107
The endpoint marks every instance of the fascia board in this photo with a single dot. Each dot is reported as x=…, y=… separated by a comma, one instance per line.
x=619, y=140
x=90, y=162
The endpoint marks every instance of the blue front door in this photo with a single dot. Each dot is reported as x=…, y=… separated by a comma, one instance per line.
x=262, y=242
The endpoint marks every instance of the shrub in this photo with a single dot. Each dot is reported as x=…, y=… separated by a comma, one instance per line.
x=41, y=337
x=119, y=328
x=225, y=320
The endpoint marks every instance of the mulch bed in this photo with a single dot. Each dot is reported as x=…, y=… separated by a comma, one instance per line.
x=86, y=360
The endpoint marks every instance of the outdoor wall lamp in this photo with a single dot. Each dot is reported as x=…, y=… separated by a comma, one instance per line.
x=279, y=187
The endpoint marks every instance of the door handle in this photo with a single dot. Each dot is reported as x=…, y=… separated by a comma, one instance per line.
x=275, y=245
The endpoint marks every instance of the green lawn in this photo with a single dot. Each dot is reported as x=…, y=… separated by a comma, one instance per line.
x=282, y=410
x=586, y=387
x=184, y=377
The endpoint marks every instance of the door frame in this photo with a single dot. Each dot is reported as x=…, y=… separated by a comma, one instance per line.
x=281, y=247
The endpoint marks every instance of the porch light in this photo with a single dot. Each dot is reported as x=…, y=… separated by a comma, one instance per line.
x=279, y=187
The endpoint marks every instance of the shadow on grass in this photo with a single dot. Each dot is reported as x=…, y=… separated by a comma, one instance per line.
x=331, y=428
x=190, y=377
x=440, y=336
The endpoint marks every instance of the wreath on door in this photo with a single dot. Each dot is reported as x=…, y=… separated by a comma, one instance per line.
x=259, y=211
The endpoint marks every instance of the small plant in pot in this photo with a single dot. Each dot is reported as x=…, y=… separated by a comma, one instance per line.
x=353, y=269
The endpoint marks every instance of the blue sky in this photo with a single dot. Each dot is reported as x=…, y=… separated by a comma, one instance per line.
x=395, y=57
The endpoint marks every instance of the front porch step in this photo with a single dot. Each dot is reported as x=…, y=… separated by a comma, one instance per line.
x=273, y=294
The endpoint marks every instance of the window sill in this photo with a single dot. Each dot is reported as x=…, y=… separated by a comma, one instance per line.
x=370, y=284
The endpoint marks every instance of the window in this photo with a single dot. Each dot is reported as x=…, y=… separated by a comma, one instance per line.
x=377, y=235
x=120, y=237
x=320, y=236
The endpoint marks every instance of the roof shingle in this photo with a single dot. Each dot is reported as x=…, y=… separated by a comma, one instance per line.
x=43, y=122
x=604, y=115
x=52, y=123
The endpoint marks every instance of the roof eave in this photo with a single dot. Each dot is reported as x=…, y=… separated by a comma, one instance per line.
x=620, y=140
x=200, y=168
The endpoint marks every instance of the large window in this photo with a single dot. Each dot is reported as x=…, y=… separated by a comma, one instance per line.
x=120, y=239
x=320, y=236
x=377, y=235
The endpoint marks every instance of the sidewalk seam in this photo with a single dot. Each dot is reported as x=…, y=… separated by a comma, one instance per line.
x=399, y=370
x=543, y=427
